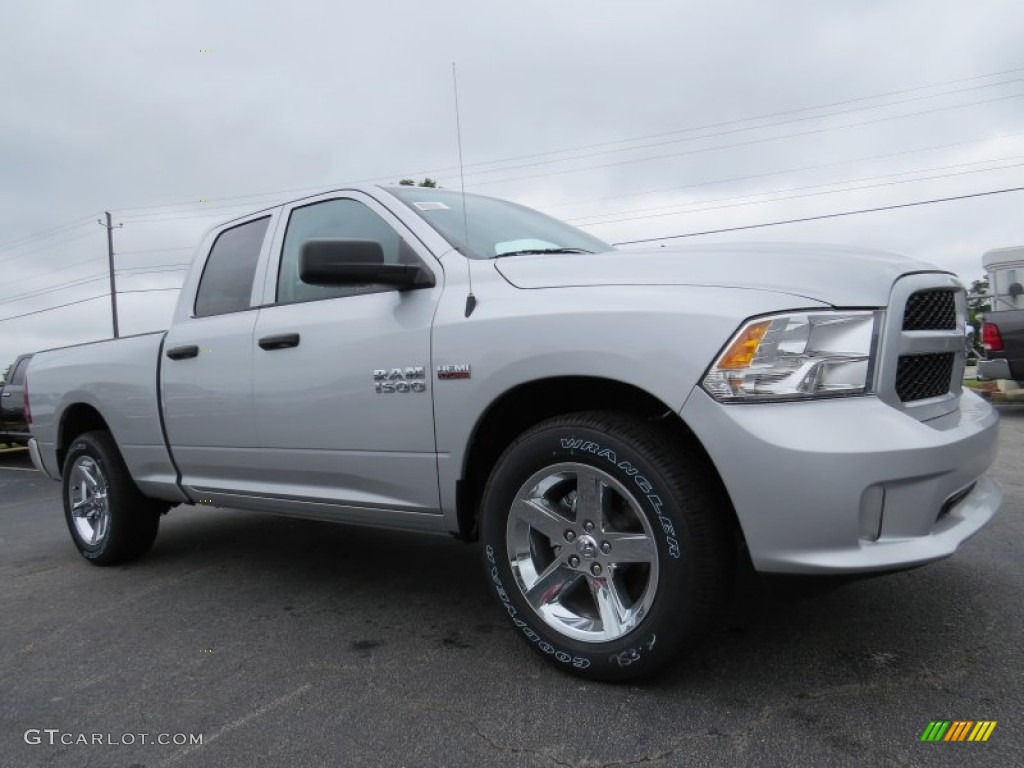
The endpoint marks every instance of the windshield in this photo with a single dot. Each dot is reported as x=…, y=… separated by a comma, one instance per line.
x=496, y=227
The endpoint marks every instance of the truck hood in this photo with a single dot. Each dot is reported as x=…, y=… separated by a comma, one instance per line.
x=834, y=275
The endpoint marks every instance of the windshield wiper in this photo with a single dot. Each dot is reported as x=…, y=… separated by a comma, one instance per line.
x=527, y=251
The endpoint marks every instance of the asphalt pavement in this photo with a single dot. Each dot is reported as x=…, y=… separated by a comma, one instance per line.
x=291, y=643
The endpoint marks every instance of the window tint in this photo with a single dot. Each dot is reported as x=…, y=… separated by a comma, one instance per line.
x=226, y=284
x=341, y=219
x=18, y=377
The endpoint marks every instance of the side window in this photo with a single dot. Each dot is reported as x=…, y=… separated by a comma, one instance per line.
x=342, y=219
x=18, y=377
x=226, y=284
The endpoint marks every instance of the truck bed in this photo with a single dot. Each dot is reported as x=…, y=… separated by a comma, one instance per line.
x=118, y=378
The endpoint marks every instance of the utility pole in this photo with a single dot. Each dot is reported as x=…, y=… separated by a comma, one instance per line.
x=110, y=262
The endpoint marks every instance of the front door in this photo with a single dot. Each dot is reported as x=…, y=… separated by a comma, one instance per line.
x=344, y=411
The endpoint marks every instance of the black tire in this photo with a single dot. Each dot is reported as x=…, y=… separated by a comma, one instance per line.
x=684, y=546
x=127, y=526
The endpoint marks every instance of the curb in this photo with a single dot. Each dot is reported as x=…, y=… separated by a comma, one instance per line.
x=1006, y=398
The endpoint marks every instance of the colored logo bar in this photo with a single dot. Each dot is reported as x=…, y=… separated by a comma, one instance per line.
x=958, y=730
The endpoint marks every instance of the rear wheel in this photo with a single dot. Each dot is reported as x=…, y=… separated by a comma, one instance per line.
x=607, y=542
x=109, y=519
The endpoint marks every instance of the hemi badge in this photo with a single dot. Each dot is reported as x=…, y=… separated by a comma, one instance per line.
x=453, y=372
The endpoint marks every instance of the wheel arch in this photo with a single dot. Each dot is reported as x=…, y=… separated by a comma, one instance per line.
x=529, y=403
x=76, y=420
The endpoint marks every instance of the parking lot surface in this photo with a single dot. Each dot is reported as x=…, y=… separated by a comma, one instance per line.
x=294, y=643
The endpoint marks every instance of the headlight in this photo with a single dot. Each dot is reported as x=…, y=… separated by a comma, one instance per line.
x=796, y=356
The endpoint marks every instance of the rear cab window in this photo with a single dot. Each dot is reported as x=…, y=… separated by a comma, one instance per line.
x=18, y=375
x=227, y=281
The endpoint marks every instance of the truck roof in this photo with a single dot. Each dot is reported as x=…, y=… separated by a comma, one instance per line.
x=1003, y=256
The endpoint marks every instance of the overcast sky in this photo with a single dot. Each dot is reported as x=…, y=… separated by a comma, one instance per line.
x=631, y=119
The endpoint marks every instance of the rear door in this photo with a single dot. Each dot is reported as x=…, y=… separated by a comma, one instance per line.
x=206, y=367
x=345, y=414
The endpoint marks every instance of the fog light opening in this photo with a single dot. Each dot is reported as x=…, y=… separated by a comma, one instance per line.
x=872, y=504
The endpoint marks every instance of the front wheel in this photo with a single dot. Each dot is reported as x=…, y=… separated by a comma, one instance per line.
x=109, y=519
x=608, y=543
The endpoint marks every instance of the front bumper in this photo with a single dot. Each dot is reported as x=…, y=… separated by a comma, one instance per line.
x=37, y=459
x=850, y=485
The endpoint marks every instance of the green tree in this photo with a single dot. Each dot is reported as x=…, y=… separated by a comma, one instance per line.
x=978, y=301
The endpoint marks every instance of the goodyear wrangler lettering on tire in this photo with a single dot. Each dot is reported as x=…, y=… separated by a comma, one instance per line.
x=589, y=446
x=579, y=662
x=632, y=655
x=605, y=543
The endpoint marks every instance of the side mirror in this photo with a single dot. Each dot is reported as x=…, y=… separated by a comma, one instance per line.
x=1015, y=290
x=356, y=262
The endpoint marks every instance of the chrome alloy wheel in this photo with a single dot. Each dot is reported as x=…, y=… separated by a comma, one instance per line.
x=87, y=498
x=582, y=552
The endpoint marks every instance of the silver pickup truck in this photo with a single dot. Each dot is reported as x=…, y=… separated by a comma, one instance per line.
x=615, y=427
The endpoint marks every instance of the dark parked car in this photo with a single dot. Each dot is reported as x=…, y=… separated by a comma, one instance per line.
x=1003, y=335
x=1003, y=329
x=13, y=424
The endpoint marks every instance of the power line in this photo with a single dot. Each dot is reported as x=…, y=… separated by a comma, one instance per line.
x=800, y=169
x=97, y=278
x=193, y=215
x=21, y=242
x=24, y=240
x=748, y=143
x=18, y=242
x=155, y=250
x=645, y=240
x=234, y=197
x=67, y=268
x=178, y=265
x=689, y=207
x=44, y=248
x=151, y=269
x=824, y=216
x=154, y=272
x=53, y=288
x=743, y=129
x=152, y=290
x=707, y=126
x=136, y=272
x=768, y=116
x=700, y=150
x=72, y=284
x=51, y=309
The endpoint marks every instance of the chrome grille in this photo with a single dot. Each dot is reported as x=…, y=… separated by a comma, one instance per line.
x=930, y=311
x=922, y=376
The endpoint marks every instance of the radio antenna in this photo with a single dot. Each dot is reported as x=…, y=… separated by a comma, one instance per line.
x=470, y=298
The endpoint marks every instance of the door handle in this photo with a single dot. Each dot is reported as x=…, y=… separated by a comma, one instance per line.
x=7, y=394
x=281, y=341
x=181, y=353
